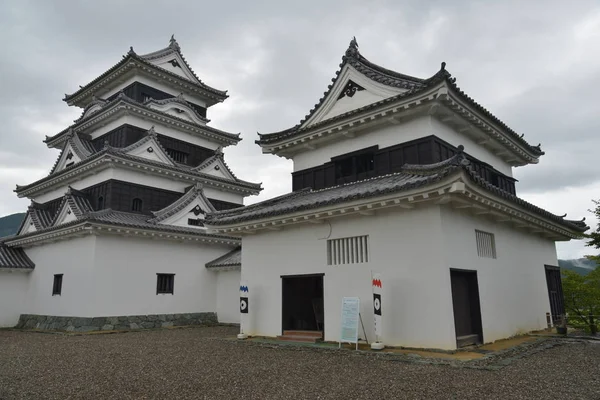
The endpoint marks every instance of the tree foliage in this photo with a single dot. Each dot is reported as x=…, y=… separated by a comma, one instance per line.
x=582, y=293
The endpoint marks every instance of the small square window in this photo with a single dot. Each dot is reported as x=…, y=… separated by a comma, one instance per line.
x=164, y=283
x=57, y=285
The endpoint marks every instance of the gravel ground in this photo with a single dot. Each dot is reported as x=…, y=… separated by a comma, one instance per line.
x=198, y=363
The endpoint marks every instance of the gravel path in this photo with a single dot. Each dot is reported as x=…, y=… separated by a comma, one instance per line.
x=198, y=363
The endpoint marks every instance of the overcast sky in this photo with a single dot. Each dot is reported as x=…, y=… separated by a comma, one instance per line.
x=535, y=65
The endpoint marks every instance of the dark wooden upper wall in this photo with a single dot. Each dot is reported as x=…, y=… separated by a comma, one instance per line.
x=373, y=161
x=140, y=92
x=183, y=152
x=119, y=196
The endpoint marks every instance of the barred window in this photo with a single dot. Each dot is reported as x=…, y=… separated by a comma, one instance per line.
x=165, y=283
x=177, y=156
x=136, y=204
x=486, y=245
x=351, y=250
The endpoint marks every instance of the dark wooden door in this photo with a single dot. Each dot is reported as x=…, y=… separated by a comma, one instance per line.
x=555, y=292
x=465, y=304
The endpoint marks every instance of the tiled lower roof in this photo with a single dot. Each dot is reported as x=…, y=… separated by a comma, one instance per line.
x=231, y=259
x=125, y=220
x=14, y=258
x=411, y=176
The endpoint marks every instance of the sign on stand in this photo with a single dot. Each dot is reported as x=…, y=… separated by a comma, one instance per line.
x=350, y=317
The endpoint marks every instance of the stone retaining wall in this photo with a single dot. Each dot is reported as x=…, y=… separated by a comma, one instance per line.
x=129, y=322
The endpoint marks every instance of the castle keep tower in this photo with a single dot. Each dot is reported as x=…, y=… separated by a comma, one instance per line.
x=117, y=226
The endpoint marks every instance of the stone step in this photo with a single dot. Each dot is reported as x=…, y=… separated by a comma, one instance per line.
x=299, y=338
x=315, y=334
x=467, y=340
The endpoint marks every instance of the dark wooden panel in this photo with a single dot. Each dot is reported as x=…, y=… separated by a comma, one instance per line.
x=223, y=205
x=140, y=92
x=555, y=292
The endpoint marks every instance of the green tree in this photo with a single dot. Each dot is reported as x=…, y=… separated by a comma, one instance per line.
x=582, y=293
x=582, y=297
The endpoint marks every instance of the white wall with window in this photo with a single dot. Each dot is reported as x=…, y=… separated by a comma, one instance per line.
x=107, y=276
x=512, y=285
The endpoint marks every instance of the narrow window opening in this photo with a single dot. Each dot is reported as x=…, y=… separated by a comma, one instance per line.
x=178, y=156
x=57, y=285
x=100, y=202
x=195, y=222
x=136, y=205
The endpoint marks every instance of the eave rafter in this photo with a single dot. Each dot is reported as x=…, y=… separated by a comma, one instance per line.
x=438, y=103
x=123, y=105
x=110, y=160
x=457, y=194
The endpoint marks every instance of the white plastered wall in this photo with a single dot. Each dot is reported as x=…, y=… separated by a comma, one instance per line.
x=125, y=276
x=113, y=276
x=74, y=259
x=13, y=294
x=405, y=246
x=512, y=288
x=228, y=296
x=387, y=136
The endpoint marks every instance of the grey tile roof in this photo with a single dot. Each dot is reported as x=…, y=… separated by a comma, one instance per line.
x=121, y=219
x=179, y=100
x=14, y=258
x=81, y=147
x=391, y=78
x=131, y=55
x=122, y=97
x=120, y=152
x=411, y=176
x=231, y=259
x=178, y=205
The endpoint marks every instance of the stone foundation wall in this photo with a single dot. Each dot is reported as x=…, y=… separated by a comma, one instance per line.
x=129, y=322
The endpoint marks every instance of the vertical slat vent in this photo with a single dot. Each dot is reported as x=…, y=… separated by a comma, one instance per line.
x=486, y=245
x=350, y=250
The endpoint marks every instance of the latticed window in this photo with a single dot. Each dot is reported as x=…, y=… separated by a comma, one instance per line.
x=178, y=156
x=350, y=250
x=136, y=204
x=486, y=245
x=165, y=283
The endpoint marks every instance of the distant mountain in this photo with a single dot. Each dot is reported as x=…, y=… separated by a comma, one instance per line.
x=582, y=266
x=10, y=224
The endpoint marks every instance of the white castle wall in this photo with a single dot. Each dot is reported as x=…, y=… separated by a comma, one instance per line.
x=13, y=295
x=114, y=276
x=414, y=250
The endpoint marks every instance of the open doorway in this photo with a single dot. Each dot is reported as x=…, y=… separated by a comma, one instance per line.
x=302, y=307
x=467, y=311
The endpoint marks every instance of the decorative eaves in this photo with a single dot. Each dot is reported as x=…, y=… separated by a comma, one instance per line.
x=129, y=61
x=76, y=145
x=155, y=147
x=117, y=222
x=411, y=177
x=181, y=203
x=173, y=47
x=413, y=85
x=73, y=201
x=219, y=160
x=122, y=101
x=115, y=155
x=177, y=100
x=95, y=102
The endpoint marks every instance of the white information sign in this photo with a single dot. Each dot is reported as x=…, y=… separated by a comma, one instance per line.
x=350, y=317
